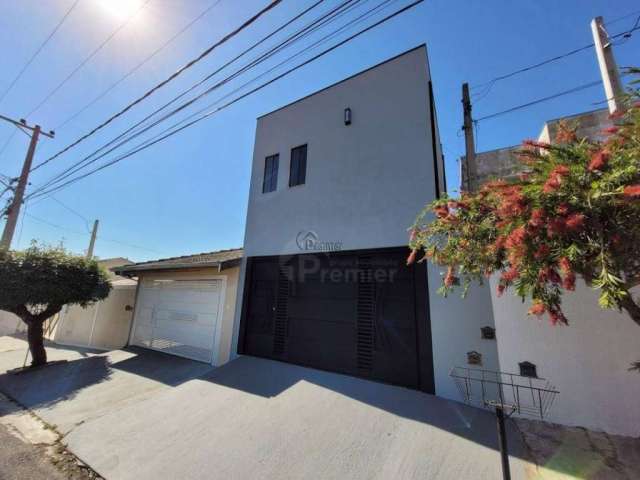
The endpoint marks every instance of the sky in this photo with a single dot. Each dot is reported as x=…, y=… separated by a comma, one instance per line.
x=189, y=193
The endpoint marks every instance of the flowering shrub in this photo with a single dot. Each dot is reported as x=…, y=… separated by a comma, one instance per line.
x=575, y=212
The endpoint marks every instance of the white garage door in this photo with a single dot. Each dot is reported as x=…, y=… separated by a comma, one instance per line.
x=178, y=317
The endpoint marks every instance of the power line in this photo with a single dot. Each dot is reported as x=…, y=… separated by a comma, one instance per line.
x=76, y=213
x=174, y=75
x=330, y=16
x=60, y=227
x=487, y=86
x=139, y=65
x=38, y=50
x=319, y=22
x=86, y=60
x=544, y=99
x=235, y=100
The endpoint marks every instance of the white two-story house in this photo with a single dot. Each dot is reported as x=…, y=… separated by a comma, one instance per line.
x=337, y=179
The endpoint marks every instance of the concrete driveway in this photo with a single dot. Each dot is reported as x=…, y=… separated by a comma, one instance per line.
x=136, y=414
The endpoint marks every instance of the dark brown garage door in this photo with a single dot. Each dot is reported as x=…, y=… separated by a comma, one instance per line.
x=362, y=313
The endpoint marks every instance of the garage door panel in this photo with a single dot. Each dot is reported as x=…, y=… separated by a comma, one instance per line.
x=357, y=313
x=178, y=317
x=335, y=309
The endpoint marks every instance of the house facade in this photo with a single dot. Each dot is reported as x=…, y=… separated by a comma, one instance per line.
x=185, y=305
x=337, y=179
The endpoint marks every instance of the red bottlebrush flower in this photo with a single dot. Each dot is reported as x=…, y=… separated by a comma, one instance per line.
x=450, y=279
x=551, y=185
x=500, y=289
x=537, y=217
x=575, y=221
x=441, y=211
x=565, y=134
x=562, y=209
x=565, y=265
x=412, y=256
x=542, y=252
x=536, y=144
x=632, y=191
x=610, y=130
x=555, y=227
x=556, y=316
x=560, y=170
x=554, y=277
x=537, y=309
x=569, y=282
x=549, y=274
x=516, y=238
x=555, y=179
x=510, y=275
x=598, y=160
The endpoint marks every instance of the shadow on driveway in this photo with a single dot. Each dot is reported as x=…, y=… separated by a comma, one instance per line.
x=269, y=378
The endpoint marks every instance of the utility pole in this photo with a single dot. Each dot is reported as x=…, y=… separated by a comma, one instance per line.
x=92, y=243
x=14, y=208
x=608, y=68
x=470, y=148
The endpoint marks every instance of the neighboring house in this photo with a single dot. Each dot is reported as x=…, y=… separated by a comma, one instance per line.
x=185, y=305
x=337, y=179
x=99, y=325
x=503, y=162
x=589, y=359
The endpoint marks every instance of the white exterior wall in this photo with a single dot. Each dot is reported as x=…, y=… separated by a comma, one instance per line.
x=588, y=360
x=11, y=324
x=365, y=182
x=455, y=330
x=102, y=325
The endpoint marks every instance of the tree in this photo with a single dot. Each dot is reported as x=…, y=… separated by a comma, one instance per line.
x=36, y=283
x=575, y=211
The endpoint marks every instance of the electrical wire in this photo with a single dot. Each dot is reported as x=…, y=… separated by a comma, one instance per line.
x=138, y=66
x=60, y=227
x=540, y=100
x=87, y=59
x=487, y=86
x=309, y=28
x=173, y=76
x=38, y=50
x=76, y=213
x=235, y=100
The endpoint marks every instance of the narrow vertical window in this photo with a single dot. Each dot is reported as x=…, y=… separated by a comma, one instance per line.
x=270, y=180
x=298, y=171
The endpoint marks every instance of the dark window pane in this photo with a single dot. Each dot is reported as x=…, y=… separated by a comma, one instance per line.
x=298, y=171
x=270, y=180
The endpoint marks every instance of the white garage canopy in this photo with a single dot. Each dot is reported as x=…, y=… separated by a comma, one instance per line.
x=179, y=317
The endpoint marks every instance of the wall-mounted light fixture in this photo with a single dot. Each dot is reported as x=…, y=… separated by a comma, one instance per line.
x=347, y=116
x=528, y=369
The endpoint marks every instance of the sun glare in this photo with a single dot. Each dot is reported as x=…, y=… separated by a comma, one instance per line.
x=121, y=9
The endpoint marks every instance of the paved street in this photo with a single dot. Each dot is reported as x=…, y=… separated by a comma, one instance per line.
x=142, y=415
x=23, y=461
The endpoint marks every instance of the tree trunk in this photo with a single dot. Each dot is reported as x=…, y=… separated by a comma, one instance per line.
x=632, y=308
x=35, y=330
x=36, y=343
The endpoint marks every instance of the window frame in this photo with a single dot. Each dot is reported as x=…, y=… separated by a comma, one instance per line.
x=301, y=173
x=270, y=175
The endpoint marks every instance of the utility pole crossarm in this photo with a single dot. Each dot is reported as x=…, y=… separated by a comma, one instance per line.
x=22, y=123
